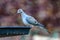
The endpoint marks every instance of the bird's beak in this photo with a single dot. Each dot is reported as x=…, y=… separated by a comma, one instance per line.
x=18, y=11
x=18, y=15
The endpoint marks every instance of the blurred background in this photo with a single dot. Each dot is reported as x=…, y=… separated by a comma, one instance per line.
x=46, y=12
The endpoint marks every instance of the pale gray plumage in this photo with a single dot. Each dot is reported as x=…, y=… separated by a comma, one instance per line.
x=29, y=20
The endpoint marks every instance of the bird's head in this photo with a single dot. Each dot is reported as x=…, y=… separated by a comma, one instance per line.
x=19, y=11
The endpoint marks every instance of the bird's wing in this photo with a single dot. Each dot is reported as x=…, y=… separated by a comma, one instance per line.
x=33, y=21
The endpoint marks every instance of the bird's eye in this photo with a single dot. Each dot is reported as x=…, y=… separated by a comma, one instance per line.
x=20, y=12
x=35, y=22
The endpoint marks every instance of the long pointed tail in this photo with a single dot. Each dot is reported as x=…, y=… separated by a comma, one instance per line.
x=41, y=26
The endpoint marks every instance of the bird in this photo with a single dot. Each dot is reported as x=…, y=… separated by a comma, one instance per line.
x=30, y=20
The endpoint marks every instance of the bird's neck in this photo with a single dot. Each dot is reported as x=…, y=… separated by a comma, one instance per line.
x=23, y=14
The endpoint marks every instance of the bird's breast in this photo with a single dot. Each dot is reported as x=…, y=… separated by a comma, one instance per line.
x=24, y=21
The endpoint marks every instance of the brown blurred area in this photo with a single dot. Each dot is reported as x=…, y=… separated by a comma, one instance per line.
x=46, y=12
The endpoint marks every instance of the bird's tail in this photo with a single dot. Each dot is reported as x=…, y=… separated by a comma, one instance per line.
x=43, y=28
